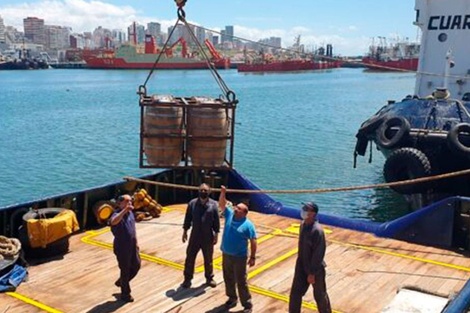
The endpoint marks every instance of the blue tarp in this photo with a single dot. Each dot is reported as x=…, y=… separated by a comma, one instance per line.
x=13, y=278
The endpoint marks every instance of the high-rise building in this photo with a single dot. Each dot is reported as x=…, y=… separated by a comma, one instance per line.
x=12, y=35
x=154, y=29
x=136, y=33
x=57, y=37
x=78, y=41
x=223, y=36
x=102, y=38
x=119, y=36
x=228, y=34
x=176, y=33
x=34, y=30
x=2, y=31
x=200, y=34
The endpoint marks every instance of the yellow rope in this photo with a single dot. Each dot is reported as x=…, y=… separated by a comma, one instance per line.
x=319, y=190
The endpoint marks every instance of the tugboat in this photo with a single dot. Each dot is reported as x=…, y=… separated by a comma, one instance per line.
x=428, y=133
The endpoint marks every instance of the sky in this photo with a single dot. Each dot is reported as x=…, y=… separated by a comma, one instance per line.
x=348, y=25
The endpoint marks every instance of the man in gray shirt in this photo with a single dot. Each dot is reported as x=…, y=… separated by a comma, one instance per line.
x=310, y=266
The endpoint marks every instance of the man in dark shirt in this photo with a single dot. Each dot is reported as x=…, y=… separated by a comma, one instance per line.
x=125, y=247
x=203, y=215
x=310, y=266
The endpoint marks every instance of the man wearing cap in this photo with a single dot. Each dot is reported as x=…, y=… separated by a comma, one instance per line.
x=202, y=215
x=310, y=266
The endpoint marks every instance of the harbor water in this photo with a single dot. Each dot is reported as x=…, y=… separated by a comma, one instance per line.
x=71, y=129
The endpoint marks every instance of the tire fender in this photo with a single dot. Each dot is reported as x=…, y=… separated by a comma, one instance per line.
x=42, y=213
x=404, y=164
x=453, y=141
x=386, y=138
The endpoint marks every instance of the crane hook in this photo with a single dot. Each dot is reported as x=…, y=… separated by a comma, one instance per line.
x=180, y=12
x=180, y=3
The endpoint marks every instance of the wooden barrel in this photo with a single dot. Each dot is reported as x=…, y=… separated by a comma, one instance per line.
x=208, y=129
x=167, y=121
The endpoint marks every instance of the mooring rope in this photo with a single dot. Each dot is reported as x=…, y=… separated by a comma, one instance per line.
x=9, y=247
x=319, y=190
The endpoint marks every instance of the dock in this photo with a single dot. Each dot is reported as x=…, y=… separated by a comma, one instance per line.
x=69, y=65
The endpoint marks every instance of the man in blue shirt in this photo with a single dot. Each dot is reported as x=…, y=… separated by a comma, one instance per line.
x=125, y=245
x=238, y=230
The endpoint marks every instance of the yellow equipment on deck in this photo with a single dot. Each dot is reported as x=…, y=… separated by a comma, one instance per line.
x=44, y=231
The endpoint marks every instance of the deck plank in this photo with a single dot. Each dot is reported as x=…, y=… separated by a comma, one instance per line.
x=358, y=265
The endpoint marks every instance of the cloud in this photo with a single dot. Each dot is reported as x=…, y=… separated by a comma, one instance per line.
x=81, y=15
x=86, y=15
x=342, y=45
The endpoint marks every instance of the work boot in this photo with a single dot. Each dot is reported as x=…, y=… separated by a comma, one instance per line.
x=211, y=283
x=247, y=308
x=230, y=303
x=186, y=283
x=127, y=298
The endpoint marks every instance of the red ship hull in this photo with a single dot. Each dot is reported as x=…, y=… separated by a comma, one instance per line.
x=120, y=63
x=409, y=64
x=287, y=66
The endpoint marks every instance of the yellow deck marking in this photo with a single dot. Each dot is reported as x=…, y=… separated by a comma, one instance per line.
x=292, y=230
x=166, y=209
x=295, y=229
x=33, y=302
x=281, y=297
x=217, y=261
x=272, y=263
x=405, y=256
x=89, y=240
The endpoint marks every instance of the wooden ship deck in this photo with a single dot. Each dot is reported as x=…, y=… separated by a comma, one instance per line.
x=364, y=272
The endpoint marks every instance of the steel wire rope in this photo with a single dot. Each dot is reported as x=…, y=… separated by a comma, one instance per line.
x=160, y=54
x=331, y=58
x=229, y=94
x=319, y=190
x=223, y=86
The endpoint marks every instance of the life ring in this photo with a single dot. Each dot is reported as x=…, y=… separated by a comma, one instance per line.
x=453, y=139
x=407, y=163
x=388, y=139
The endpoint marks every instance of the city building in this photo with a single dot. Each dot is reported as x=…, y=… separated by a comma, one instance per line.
x=34, y=30
x=57, y=37
x=2, y=31
x=119, y=36
x=12, y=35
x=201, y=34
x=227, y=34
x=136, y=33
x=102, y=38
x=154, y=29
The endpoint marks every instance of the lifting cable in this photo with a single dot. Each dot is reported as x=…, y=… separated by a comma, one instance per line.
x=320, y=190
x=229, y=94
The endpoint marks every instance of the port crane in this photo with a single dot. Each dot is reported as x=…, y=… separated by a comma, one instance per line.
x=184, y=48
